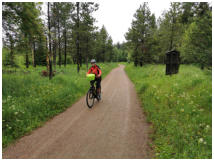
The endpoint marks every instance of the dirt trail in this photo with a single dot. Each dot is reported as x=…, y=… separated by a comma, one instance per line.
x=113, y=128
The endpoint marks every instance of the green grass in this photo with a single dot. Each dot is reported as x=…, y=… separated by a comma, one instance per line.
x=179, y=108
x=28, y=99
x=123, y=63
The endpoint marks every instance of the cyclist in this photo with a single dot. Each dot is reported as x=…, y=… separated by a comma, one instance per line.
x=95, y=69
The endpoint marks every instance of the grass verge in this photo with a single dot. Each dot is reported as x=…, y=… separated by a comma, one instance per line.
x=179, y=108
x=29, y=100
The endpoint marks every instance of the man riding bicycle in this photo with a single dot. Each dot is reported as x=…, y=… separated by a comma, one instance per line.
x=95, y=69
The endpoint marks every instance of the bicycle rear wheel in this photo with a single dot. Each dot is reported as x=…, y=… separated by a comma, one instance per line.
x=90, y=99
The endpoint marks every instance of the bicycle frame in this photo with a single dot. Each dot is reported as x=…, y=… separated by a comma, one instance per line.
x=93, y=89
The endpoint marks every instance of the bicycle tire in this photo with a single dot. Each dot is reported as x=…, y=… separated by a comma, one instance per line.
x=90, y=96
x=98, y=99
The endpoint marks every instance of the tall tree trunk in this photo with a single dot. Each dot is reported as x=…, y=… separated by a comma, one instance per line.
x=87, y=55
x=87, y=63
x=54, y=49
x=171, y=37
x=172, y=32
x=32, y=55
x=11, y=50
x=103, y=52
x=33, y=49
x=59, y=42
x=55, y=43
x=46, y=42
x=49, y=36
x=11, y=55
x=135, y=56
x=26, y=59
x=77, y=41
x=80, y=55
x=65, y=51
x=47, y=56
x=74, y=60
x=54, y=54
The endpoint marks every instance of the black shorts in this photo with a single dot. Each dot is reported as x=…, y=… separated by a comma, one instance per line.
x=98, y=82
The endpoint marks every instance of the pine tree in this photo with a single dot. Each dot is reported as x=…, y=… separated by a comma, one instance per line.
x=140, y=34
x=87, y=30
x=197, y=40
x=49, y=38
x=170, y=30
x=10, y=22
x=23, y=17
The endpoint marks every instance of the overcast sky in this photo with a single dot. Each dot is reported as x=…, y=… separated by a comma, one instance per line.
x=117, y=15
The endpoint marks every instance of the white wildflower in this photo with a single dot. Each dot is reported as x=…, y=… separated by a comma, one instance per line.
x=154, y=86
x=13, y=107
x=208, y=126
x=191, y=103
x=201, y=140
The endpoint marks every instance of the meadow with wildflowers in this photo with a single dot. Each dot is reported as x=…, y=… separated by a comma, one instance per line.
x=28, y=99
x=179, y=108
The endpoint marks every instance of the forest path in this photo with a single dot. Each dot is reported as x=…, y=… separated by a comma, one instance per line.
x=114, y=128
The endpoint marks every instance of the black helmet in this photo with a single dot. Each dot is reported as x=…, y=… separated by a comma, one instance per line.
x=93, y=61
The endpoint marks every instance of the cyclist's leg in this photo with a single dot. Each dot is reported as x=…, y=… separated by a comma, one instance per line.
x=98, y=85
x=92, y=82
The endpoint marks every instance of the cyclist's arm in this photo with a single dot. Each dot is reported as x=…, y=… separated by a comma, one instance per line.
x=89, y=71
x=100, y=72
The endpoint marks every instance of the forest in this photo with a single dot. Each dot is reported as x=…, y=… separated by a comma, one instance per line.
x=186, y=27
x=70, y=36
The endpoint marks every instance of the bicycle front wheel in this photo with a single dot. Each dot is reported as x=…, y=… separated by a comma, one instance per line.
x=90, y=99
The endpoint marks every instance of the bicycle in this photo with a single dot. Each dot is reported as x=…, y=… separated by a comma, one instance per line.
x=92, y=92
